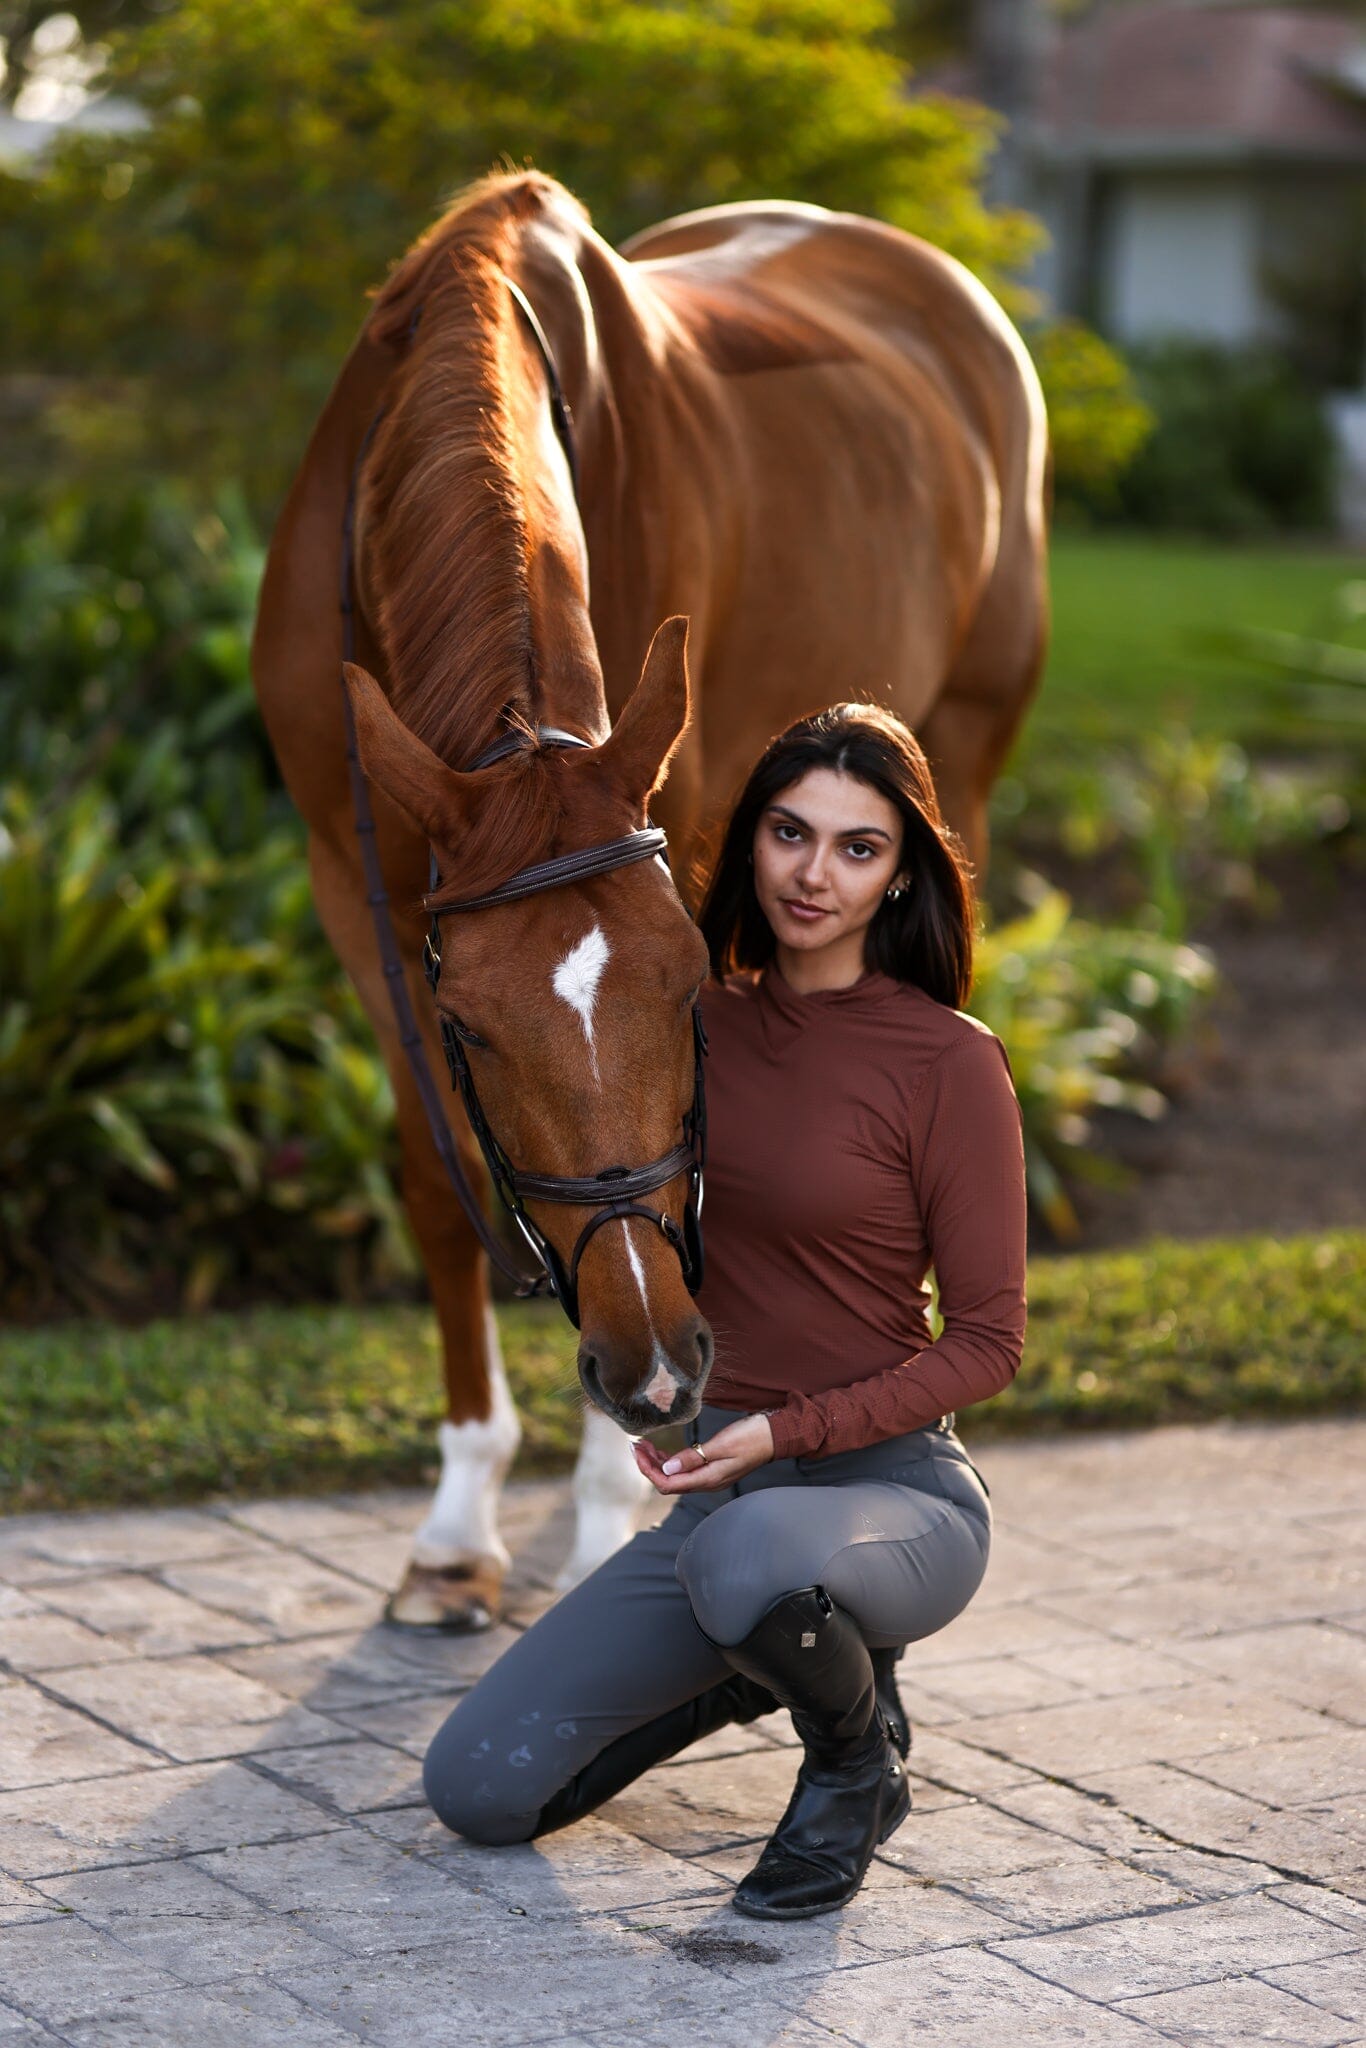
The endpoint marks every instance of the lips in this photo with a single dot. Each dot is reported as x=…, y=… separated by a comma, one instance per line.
x=808, y=912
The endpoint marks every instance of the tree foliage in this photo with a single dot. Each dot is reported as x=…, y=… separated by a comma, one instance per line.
x=210, y=270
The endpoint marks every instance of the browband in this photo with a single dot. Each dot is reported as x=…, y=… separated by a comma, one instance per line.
x=564, y=867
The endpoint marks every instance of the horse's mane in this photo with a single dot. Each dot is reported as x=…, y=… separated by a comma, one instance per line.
x=445, y=520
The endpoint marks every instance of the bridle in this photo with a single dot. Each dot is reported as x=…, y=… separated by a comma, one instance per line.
x=617, y=1189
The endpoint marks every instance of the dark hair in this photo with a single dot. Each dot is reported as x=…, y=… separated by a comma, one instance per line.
x=924, y=936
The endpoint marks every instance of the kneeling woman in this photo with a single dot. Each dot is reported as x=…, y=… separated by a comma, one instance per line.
x=861, y=1129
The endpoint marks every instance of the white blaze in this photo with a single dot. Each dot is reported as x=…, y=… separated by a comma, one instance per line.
x=576, y=980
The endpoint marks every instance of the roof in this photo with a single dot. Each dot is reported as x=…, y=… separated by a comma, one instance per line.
x=1181, y=83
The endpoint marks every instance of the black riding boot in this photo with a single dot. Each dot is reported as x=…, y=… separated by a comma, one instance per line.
x=851, y=1791
x=734, y=1699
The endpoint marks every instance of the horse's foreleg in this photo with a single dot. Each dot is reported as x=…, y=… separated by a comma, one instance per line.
x=609, y=1488
x=455, y=1578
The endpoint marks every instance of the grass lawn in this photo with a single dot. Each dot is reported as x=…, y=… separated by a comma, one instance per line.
x=307, y=1399
x=1133, y=623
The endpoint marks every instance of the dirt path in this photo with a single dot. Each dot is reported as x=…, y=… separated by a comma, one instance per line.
x=1268, y=1132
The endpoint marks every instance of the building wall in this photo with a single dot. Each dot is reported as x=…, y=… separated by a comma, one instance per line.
x=1178, y=253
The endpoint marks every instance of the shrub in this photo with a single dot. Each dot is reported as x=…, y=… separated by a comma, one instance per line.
x=185, y=1104
x=1241, y=444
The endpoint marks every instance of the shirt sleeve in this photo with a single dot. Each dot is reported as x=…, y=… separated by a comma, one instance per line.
x=966, y=1147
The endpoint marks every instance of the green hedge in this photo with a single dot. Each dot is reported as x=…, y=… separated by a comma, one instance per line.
x=301, y=1400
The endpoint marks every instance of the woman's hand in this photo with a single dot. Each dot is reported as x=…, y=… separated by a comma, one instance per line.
x=738, y=1448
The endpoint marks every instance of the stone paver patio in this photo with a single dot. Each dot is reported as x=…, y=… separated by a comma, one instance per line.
x=1139, y=1775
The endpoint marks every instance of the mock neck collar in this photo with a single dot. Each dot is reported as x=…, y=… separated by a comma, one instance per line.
x=872, y=986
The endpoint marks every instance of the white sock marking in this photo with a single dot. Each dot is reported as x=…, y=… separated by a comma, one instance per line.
x=576, y=980
x=474, y=1460
x=608, y=1491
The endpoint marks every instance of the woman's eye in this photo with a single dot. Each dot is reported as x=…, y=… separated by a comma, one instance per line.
x=861, y=850
x=780, y=830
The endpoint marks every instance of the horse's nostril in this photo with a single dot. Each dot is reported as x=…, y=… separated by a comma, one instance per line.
x=706, y=1348
x=591, y=1380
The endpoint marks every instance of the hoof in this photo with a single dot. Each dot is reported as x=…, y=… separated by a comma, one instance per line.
x=448, y=1599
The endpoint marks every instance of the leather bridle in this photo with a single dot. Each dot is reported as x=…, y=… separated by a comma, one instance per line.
x=615, y=1191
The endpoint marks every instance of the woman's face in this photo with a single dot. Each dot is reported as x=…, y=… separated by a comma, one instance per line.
x=825, y=852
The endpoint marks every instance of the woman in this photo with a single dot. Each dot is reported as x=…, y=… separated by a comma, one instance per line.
x=861, y=1127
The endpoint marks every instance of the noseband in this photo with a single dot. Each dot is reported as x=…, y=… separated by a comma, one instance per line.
x=616, y=1191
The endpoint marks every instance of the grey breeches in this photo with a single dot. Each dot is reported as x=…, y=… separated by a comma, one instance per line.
x=897, y=1533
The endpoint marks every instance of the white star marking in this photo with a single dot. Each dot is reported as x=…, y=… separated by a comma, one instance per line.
x=576, y=980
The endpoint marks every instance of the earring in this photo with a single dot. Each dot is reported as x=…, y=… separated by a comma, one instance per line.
x=895, y=891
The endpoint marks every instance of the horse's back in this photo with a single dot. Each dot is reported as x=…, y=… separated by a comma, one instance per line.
x=820, y=286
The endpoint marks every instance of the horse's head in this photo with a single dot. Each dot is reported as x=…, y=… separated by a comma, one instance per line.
x=574, y=1007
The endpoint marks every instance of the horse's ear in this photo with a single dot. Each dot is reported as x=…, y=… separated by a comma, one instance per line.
x=637, y=752
x=402, y=765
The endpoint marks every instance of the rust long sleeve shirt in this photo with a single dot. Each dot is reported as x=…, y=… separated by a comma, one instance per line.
x=857, y=1137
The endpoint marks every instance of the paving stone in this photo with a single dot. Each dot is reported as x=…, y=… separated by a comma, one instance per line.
x=1169, y=1723
x=997, y=1685
x=592, y=1868
x=1162, y=1581
x=157, y=1813
x=190, y=1708
x=1069, y=1894
x=278, y=1590
x=708, y=1805
x=345, y=1670
x=62, y=1970
x=767, y=2024
x=1205, y=1603
x=961, y=1766
x=1336, y=1984
x=1204, y=1540
x=1013, y=1628
x=1203, y=1874
x=1318, y=1663
x=297, y=1521
x=48, y=1641
x=1303, y=1772
x=1082, y=1817
x=179, y=1919
x=351, y=1890
x=1119, y=1959
x=1103, y=1670
x=1089, y=1819
x=350, y=1776
x=378, y=1558
x=1232, y=2011
x=1205, y=1815
x=501, y=1978
x=247, y=2014
x=18, y=2032
x=404, y=1724
x=120, y=1539
x=968, y=1998
x=1323, y=1902
x=960, y=1844
x=1020, y=1567
x=135, y=1610
x=21, y=1902
x=42, y=1743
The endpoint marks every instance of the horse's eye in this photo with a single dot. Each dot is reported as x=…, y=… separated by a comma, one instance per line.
x=464, y=1034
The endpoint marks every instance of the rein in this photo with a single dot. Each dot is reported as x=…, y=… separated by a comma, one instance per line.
x=617, y=1188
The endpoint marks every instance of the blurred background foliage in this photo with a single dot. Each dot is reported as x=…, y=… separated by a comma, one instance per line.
x=292, y=149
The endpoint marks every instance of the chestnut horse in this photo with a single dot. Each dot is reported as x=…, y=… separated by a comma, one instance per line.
x=817, y=440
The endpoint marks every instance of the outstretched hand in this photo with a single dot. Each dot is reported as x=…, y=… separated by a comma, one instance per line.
x=740, y=1447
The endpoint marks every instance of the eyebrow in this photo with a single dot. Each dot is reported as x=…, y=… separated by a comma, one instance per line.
x=861, y=832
